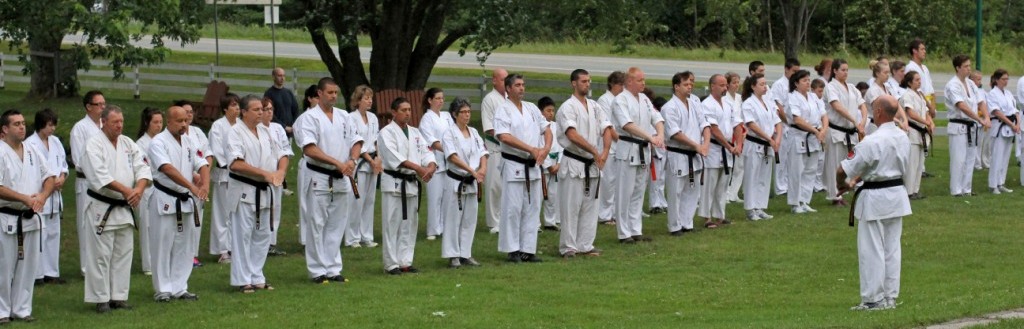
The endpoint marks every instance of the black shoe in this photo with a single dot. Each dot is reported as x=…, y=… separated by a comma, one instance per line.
x=551, y=228
x=39, y=282
x=25, y=319
x=337, y=278
x=514, y=257
x=410, y=269
x=677, y=232
x=102, y=308
x=320, y=279
x=627, y=241
x=119, y=305
x=53, y=280
x=275, y=252
x=187, y=296
x=395, y=271
x=531, y=258
x=642, y=238
x=925, y=174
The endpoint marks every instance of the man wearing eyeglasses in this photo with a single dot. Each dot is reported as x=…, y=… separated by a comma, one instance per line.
x=83, y=130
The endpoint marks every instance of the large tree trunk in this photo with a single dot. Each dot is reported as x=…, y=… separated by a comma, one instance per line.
x=42, y=61
x=796, y=18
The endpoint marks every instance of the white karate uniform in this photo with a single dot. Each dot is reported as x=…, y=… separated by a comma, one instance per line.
x=551, y=216
x=24, y=174
x=757, y=158
x=840, y=144
x=880, y=157
x=609, y=178
x=493, y=184
x=683, y=182
x=108, y=271
x=656, y=189
x=985, y=136
x=279, y=139
x=1002, y=135
x=779, y=93
x=398, y=229
x=53, y=152
x=962, y=155
x=143, y=215
x=461, y=205
x=714, y=193
x=1020, y=143
x=220, y=229
x=913, y=101
x=432, y=126
x=198, y=138
x=360, y=226
x=251, y=223
x=521, y=199
x=803, y=147
x=874, y=91
x=80, y=134
x=171, y=245
x=328, y=200
x=632, y=176
x=733, y=191
x=927, y=86
x=578, y=206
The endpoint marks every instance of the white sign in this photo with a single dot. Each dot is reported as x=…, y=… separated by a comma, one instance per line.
x=270, y=14
x=244, y=2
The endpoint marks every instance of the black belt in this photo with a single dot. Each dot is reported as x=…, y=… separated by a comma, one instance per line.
x=260, y=186
x=492, y=139
x=764, y=146
x=1012, y=119
x=112, y=203
x=463, y=180
x=725, y=163
x=807, y=140
x=872, y=186
x=689, y=155
x=970, y=128
x=373, y=155
x=587, y=163
x=79, y=174
x=178, y=198
x=526, y=162
x=849, y=132
x=924, y=134
x=332, y=175
x=23, y=215
x=406, y=178
x=643, y=145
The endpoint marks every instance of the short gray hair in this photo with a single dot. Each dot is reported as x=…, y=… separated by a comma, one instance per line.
x=110, y=108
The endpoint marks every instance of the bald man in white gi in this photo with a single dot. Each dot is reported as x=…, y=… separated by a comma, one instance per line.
x=89, y=126
x=689, y=134
x=724, y=122
x=117, y=175
x=25, y=183
x=638, y=125
x=963, y=100
x=493, y=184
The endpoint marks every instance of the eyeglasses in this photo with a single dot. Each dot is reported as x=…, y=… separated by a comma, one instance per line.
x=98, y=104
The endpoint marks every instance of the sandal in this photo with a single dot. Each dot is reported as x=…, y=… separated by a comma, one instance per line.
x=710, y=225
x=247, y=289
x=265, y=286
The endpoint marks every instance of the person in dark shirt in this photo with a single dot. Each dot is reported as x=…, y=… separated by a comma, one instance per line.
x=286, y=109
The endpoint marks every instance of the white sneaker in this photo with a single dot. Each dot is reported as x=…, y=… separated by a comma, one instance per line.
x=808, y=208
x=370, y=244
x=877, y=306
x=494, y=230
x=799, y=209
x=355, y=245
x=752, y=215
x=1002, y=188
x=431, y=237
x=764, y=215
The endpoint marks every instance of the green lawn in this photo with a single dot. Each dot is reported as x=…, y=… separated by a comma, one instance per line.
x=961, y=258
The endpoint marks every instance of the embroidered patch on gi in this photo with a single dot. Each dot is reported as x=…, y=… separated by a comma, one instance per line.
x=679, y=172
x=167, y=207
x=243, y=195
x=10, y=228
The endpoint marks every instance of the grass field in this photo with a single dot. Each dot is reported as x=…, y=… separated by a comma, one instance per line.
x=961, y=258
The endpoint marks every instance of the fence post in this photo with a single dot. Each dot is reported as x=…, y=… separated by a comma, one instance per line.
x=483, y=88
x=2, y=71
x=137, y=96
x=211, y=72
x=295, y=83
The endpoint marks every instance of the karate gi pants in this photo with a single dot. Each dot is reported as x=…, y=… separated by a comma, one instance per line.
x=49, y=260
x=278, y=192
x=493, y=184
x=915, y=166
x=197, y=234
x=81, y=223
x=713, y=193
x=802, y=170
x=144, y=226
x=460, y=226
x=220, y=229
x=326, y=220
x=682, y=200
x=435, y=210
x=398, y=236
x=249, y=244
x=551, y=215
x=170, y=253
x=757, y=176
x=579, y=210
x=303, y=183
x=782, y=168
x=630, y=198
x=818, y=182
x=1000, y=161
x=834, y=154
x=360, y=225
x=961, y=163
x=609, y=183
x=108, y=271
x=17, y=277
x=984, y=149
x=520, y=218
x=879, y=256
x=656, y=189
x=733, y=191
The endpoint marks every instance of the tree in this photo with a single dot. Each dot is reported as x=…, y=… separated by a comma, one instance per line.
x=796, y=19
x=108, y=29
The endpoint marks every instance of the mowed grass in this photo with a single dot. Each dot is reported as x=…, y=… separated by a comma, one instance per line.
x=960, y=258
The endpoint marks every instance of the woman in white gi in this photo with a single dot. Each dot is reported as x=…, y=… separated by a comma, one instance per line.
x=406, y=159
x=877, y=87
x=220, y=135
x=921, y=128
x=467, y=159
x=808, y=126
x=360, y=227
x=310, y=100
x=764, y=136
x=725, y=123
x=735, y=99
x=962, y=102
x=25, y=183
x=432, y=126
x=689, y=139
x=551, y=165
x=847, y=115
x=1006, y=125
x=151, y=124
x=257, y=163
x=279, y=139
x=53, y=151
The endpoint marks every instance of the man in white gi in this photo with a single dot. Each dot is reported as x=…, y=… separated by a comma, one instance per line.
x=780, y=93
x=586, y=135
x=25, y=184
x=918, y=53
x=493, y=183
x=331, y=147
x=407, y=159
x=724, y=121
x=198, y=138
x=117, y=177
x=689, y=134
x=257, y=163
x=220, y=135
x=963, y=100
x=609, y=178
x=83, y=130
x=53, y=151
x=879, y=162
x=174, y=212
x=525, y=141
x=638, y=126
x=847, y=116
